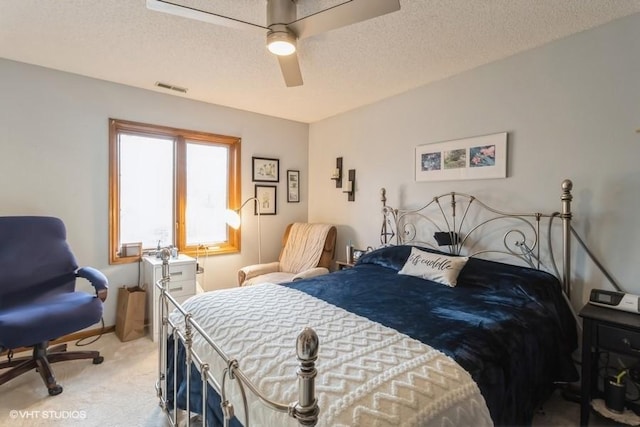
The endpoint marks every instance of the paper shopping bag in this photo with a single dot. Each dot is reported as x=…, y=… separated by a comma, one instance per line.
x=130, y=313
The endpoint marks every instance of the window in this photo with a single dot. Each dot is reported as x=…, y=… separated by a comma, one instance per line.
x=171, y=187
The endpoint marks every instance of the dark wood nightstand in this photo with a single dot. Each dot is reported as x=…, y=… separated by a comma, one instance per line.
x=604, y=329
x=340, y=265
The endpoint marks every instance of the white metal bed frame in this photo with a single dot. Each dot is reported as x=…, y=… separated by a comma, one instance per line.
x=448, y=215
x=398, y=228
x=305, y=410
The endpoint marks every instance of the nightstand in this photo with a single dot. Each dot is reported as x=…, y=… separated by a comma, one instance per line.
x=341, y=265
x=182, y=285
x=604, y=329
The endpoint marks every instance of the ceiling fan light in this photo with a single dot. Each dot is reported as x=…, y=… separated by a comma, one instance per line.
x=281, y=43
x=281, y=48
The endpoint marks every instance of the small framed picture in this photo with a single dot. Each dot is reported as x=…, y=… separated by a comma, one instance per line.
x=265, y=170
x=293, y=186
x=266, y=200
x=357, y=253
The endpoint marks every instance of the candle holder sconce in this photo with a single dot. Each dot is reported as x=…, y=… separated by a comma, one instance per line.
x=336, y=175
x=350, y=186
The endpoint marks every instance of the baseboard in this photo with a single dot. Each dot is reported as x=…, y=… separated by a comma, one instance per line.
x=71, y=337
x=83, y=334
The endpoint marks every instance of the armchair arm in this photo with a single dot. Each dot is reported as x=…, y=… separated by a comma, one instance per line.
x=312, y=272
x=246, y=273
x=97, y=279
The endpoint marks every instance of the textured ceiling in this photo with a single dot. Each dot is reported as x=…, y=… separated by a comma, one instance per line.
x=427, y=40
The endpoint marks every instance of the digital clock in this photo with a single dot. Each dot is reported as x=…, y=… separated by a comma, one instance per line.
x=616, y=300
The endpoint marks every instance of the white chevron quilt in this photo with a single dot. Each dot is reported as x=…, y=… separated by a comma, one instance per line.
x=368, y=374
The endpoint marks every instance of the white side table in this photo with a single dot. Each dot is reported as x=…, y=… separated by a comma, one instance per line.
x=182, y=285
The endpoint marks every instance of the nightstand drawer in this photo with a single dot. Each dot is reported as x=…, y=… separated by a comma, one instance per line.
x=619, y=340
x=182, y=287
x=179, y=272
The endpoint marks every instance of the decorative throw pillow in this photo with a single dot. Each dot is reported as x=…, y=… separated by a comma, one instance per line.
x=436, y=267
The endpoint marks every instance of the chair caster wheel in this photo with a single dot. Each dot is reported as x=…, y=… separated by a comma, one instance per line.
x=98, y=360
x=55, y=390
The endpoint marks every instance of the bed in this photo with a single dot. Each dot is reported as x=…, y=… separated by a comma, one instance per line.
x=380, y=344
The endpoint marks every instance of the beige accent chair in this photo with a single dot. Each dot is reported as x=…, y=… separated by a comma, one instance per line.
x=307, y=251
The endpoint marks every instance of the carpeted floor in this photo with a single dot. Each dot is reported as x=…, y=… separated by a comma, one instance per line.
x=120, y=393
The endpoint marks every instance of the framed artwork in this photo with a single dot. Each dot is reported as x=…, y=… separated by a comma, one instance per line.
x=357, y=253
x=293, y=186
x=266, y=198
x=265, y=170
x=479, y=157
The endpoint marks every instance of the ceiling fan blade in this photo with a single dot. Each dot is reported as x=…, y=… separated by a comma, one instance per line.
x=342, y=15
x=202, y=15
x=290, y=70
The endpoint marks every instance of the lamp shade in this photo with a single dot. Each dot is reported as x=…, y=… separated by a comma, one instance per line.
x=232, y=218
x=281, y=43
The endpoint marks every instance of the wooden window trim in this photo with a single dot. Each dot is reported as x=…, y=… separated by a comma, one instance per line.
x=232, y=245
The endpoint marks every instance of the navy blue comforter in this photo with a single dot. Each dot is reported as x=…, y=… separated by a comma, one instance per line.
x=509, y=327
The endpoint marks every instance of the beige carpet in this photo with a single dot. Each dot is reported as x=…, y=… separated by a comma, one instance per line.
x=120, y=393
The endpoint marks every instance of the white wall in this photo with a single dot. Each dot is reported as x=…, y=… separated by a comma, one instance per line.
x=571, y=109
x=54, y=161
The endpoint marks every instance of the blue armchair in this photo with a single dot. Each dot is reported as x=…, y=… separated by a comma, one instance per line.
x=38, y=301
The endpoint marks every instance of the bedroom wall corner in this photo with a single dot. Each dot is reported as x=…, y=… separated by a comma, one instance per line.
x=54, y=145
x=571, y=110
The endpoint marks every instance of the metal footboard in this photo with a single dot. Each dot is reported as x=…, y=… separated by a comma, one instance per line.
x=305, y=410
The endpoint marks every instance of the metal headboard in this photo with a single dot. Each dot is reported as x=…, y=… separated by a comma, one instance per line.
x=460, y=224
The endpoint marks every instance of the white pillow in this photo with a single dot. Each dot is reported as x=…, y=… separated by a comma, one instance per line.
x=436, y=267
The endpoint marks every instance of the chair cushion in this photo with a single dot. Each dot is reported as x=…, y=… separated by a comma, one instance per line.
x=48, y=318
x=277, y=277
x=304, y=246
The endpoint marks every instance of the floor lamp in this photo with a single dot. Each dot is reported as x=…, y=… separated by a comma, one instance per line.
x=233, y=219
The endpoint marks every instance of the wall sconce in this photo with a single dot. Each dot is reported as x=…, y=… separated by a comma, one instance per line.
x=350, y=186
x=336, y=174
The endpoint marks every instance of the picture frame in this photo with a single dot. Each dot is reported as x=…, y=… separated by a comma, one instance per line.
x=265, y=170
x=266, y=196
x=479, y=157
x=357, y=253
x=293, y=186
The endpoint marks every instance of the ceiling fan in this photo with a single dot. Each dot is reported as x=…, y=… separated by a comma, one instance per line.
x=284, y=28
